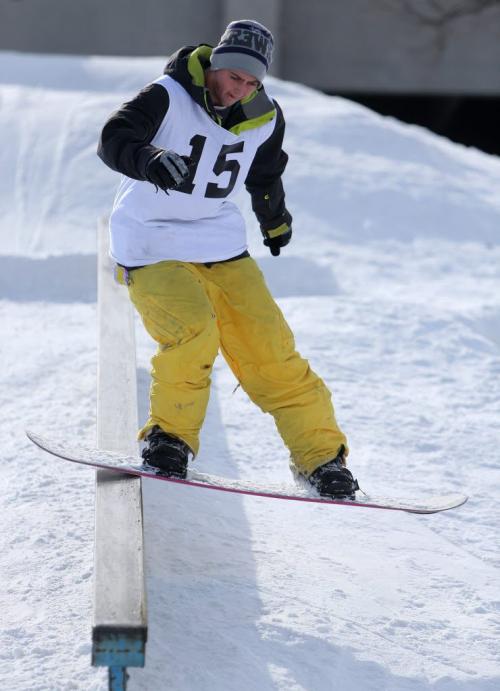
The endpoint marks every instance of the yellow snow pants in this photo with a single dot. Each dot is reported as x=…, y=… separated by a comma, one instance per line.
x=192, y=311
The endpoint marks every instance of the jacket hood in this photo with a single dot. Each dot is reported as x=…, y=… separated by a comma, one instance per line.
x=187, y=66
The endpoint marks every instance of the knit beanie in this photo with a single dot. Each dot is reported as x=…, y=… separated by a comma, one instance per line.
x=245, y=45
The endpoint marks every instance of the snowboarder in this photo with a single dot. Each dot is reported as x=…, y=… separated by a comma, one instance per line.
x=185, y=145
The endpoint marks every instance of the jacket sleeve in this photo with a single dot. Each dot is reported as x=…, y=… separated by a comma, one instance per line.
x=125, y=142
x=263, y=181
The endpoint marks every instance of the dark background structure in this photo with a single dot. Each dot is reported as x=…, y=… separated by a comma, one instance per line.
x=429, y=62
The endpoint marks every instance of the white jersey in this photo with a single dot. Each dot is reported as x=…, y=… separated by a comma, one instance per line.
x=198, y=222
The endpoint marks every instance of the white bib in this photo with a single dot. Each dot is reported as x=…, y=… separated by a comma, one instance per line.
x=198, y=223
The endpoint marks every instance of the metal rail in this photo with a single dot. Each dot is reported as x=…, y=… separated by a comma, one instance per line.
x=119, y=630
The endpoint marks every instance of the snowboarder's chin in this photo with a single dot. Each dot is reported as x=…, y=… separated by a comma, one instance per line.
x=227, y=100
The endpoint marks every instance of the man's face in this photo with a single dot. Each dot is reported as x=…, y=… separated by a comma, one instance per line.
x=229, y=86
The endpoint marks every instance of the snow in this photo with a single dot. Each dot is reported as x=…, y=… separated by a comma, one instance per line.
x=392, y=287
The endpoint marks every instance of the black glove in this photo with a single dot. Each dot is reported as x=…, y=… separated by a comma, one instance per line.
x=167, y=170
x=277, y=233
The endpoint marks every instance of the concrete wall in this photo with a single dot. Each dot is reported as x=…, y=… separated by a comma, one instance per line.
x=392, y=46
x=379, y=46
x=107, y=27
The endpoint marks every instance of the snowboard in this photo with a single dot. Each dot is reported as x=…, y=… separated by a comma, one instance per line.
x=131, y=465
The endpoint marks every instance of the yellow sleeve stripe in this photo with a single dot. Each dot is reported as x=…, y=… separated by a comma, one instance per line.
x=277, y=231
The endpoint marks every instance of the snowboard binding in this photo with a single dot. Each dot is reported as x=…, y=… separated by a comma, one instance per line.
x=166, y=452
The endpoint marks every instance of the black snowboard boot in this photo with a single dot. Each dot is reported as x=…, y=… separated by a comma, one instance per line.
x=166, y=452
x=333, y=479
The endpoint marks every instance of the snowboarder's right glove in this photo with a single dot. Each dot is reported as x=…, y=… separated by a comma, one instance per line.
x=277, y=233
x=167, y=170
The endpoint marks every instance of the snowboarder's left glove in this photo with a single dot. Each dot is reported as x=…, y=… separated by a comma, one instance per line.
x=277, y=233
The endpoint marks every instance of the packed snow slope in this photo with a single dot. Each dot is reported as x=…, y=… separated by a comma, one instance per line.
x=392, y=286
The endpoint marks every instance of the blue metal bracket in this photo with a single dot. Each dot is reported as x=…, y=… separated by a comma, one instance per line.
x=126, y=649
x=117, y=651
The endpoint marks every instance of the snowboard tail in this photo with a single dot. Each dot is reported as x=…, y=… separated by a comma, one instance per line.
x=131, y=465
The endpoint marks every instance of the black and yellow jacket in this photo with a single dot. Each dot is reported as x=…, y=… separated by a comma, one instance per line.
x=125, y=143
